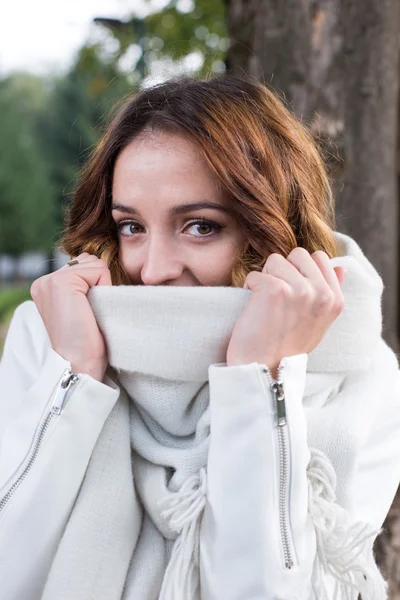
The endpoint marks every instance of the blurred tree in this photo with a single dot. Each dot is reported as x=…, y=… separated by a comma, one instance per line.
x=27, y=213
x=51, y=125
x=75, y=116
x=183, y=29
x=337, y=63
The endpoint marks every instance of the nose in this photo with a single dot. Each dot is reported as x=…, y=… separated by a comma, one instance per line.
x=161, y=263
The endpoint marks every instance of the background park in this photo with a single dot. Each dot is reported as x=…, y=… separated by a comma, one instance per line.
x=62, y=68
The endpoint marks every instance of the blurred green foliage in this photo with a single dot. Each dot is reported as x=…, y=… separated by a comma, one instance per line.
x=182, y=27
x=27, y=207
x=10, y=298
x=76, y=114
x=49, y=125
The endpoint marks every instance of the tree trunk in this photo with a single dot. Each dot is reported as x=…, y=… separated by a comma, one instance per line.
x=336, y=62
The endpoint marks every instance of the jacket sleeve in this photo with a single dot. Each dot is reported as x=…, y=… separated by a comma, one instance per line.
x=378, y=462
x=272, y=528
x=43, y=453
x=257, y=538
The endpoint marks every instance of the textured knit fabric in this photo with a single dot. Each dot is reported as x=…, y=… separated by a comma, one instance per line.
x=145, y=486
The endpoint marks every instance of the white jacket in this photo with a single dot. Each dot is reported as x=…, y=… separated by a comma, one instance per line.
x=244, y=553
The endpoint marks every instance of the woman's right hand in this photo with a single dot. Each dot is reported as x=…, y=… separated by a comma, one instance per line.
x=61, y=300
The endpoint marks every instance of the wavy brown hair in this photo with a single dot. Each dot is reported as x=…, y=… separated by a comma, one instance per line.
x=265, y=159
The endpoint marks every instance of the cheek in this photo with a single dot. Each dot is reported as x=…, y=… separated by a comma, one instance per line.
x=214, y=267
x=210, y=265
x=129, y=261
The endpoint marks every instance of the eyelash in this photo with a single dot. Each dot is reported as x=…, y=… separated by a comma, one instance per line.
x=201, y=221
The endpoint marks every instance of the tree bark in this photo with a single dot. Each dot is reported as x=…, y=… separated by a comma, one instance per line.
x=336, y=63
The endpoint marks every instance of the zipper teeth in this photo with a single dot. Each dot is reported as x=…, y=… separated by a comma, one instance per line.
x=283, y=490
x=67, y=380
x=283, y=470
x=271, y=380
x=38, y=441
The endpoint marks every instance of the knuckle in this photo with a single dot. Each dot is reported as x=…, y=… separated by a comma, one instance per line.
x=102, y=263
x=35, y=287
x=325, y=298
x=53, y=280
x=304, y=292
x=299, y=251
x=274, y=258
x=338, y=305
x=278, y=288
x=320, y=254
x=254, y=278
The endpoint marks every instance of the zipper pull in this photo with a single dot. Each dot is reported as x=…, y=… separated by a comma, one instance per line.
x=67, y=380
x=279, y=394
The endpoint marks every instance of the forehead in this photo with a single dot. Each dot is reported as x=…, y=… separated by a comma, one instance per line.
x=167, y=177
x=162, y=161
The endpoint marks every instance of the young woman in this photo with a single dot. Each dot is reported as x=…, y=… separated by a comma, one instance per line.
x=199, y=405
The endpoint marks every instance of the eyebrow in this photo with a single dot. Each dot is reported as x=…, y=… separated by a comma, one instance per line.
x=178, y=210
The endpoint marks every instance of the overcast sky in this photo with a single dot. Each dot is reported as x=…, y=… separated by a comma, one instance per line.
x=42, y=36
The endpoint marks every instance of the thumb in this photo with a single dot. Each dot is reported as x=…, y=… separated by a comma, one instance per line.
x=341, y=273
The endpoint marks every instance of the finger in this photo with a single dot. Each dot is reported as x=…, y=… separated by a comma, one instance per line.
x=92, y=274
x=341, y=273
x=278, y=266
x=257, y=280
x=302, y=260
x=105, y=278
x=323, y=261
x=83, y=258
x=88, y=266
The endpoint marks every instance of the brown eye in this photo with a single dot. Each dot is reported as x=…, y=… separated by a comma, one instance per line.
x=204, y=227
x=129, y=228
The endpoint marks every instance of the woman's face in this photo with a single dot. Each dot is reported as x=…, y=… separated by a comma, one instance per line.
x=168, y=235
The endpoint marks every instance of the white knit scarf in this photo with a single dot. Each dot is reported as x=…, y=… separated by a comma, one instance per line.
x=133, y=533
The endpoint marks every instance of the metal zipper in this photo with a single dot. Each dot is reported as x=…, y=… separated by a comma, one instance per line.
x=278, y=393
x=67, y=380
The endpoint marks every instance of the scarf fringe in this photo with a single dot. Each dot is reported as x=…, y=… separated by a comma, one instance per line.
x=183, y=512
x=344, y=548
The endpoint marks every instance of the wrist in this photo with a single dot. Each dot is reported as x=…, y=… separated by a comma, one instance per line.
x=95, y=369
x=271, y=363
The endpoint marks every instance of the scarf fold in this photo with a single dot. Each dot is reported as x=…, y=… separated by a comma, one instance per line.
x=134, y=529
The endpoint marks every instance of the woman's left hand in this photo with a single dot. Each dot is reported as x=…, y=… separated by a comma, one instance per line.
x=293, y=304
